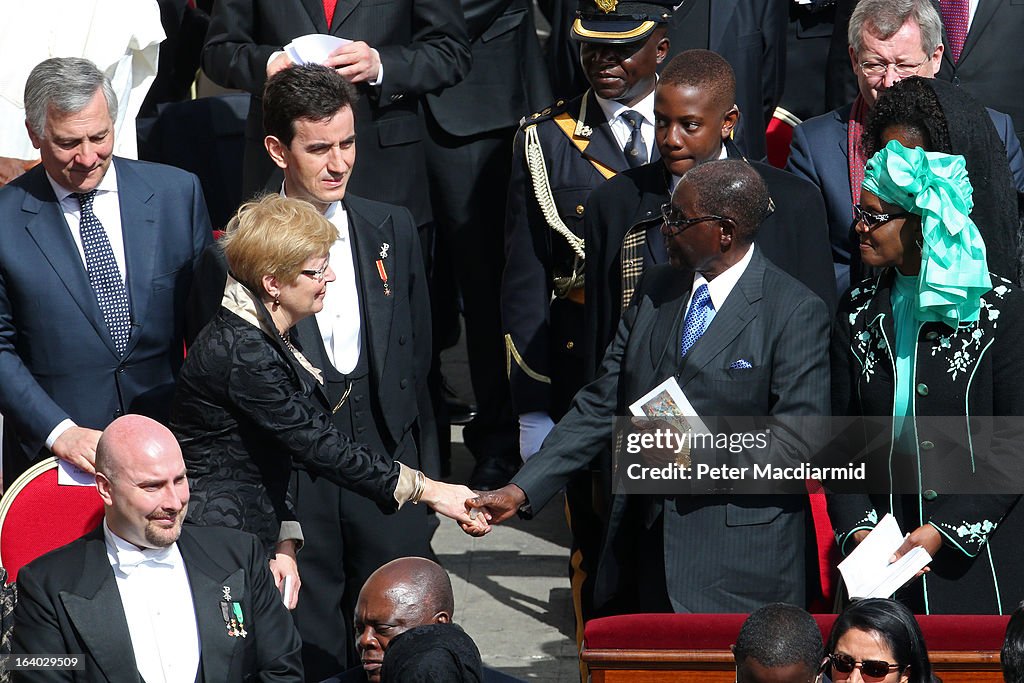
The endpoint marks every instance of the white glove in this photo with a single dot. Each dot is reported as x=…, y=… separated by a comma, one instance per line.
x=533, y=429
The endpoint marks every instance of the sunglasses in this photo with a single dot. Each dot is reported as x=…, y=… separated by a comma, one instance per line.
x=872, y=220
x=872, y=668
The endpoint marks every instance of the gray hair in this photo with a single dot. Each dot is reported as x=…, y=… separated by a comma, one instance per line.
x=67, y=84
x=885, y=17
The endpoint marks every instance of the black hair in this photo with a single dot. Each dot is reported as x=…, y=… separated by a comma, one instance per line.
x=895, y=625
x=734, y=189
x=913, y=104
x=780, y=635
x=1012, y=654
x=311, y=91
x=704, y=70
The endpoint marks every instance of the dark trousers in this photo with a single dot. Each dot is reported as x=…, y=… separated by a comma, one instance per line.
x=469, y=179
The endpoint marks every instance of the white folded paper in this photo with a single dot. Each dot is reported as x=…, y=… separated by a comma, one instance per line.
x=313, y=48
x=70, y=475
x=867, y=572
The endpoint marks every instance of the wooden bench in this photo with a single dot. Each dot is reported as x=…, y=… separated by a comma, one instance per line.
x=695, y=647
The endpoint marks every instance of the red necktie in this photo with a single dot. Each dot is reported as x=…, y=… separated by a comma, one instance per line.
x=955, y=17
x=329, y=6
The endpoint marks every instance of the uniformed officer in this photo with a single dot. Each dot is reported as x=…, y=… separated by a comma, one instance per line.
x=559, y=156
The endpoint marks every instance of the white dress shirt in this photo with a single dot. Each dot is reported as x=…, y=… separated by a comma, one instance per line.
x=622, y=130
x=107, y=208
x=720, y=287
x=157, y=601
x=339, y=321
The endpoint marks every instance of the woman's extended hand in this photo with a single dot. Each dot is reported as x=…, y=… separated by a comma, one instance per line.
x=927, y=537
x=450, y=501
x=286, y=571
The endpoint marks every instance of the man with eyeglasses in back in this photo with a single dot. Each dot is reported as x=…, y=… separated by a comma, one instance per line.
x=889, y=40
x=741, y=338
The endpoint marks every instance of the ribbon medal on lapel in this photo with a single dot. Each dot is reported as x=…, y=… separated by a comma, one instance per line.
x=381, y=270
x=231, y=611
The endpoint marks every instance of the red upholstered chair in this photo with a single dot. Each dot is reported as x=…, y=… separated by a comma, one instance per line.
x=778, y=136
x=37, y=515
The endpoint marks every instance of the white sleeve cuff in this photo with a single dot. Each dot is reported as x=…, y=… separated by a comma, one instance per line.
x=62, y=426
x=380, y=72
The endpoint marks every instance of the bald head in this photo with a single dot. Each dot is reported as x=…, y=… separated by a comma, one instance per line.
x=403, y=594
x=140, y=475
x=133, y=438
x=416, y=582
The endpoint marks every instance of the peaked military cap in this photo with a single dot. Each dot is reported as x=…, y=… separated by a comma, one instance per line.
x=615, y=21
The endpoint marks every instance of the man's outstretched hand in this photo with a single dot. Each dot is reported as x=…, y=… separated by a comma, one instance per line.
x=498, y=505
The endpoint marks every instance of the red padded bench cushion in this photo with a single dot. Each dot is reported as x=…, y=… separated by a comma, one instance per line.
x=719, y=631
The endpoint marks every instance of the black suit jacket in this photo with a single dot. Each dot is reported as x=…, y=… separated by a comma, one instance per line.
x=781, y=329
x=794, y=237
x=68, y=603
x=507, y=80
x=423, y=47
x=395, y=329
x=57, y=359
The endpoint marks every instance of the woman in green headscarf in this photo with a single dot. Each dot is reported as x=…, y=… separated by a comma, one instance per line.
x=934, y=339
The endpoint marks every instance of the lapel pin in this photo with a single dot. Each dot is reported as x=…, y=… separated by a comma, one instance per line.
x=384, y=250
x=383, y=273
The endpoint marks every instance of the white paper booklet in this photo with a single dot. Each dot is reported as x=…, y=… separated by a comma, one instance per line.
x=668, y=400
x=867, y=572
x=313, y=48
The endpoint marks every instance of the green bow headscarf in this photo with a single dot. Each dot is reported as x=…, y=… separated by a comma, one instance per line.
x=954, y=269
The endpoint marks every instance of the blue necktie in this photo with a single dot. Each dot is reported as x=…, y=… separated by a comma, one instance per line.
x=104, y=276
x=635, y=149
x=697, y=318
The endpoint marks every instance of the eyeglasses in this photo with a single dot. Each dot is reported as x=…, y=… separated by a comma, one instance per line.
x=872, y=220
x=879, y=69
x=674, y=220
x=320, y=274
x=873, y=668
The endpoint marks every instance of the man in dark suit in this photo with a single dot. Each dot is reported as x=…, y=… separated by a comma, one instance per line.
x=141, y=597
x=741, y=338
x=974, y=58
x=372, y=342
x=95, y=264
x=470, y=126
x=695, y=114
x=750, y=34
x=888, y=41
x=402, y=50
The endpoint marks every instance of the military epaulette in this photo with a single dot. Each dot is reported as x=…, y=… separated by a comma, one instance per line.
x=545, y=113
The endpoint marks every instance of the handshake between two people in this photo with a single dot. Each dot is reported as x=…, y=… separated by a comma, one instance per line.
x=474, y=511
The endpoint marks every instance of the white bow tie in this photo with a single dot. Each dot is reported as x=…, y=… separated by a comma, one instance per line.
x=129, y=560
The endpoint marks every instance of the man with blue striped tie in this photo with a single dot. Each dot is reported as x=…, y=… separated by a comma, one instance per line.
x=741, y=338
